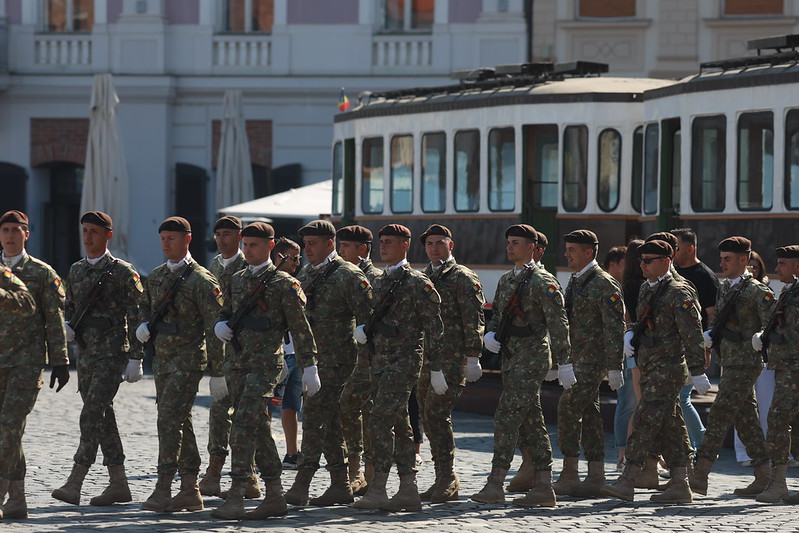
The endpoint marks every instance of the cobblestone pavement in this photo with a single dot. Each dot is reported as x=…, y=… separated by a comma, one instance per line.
x=52, y=437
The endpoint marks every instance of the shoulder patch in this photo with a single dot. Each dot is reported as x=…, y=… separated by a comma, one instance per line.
x=363, y=285
x=614, y=298
x=476, y=288
x=295, y=287
x=687, y=305
x=135, y=280
x=427, y=289
x=58, y=286
x=11, y=278
x=552, y=290
x=217, y=292
x=768, y=297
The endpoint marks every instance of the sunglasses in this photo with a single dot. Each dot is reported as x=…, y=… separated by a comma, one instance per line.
x=648, y=260
x=296, y=258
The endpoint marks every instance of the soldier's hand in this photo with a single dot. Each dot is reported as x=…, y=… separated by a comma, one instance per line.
x=629, y=350
x=143, y=333
x=70, y=332
x=223, y=332
x=218, y=388
x=552, y=374
x=491, y=343
x=757, y=341
x=438, y=382
x=310, y=380
x=566, y=376
x=60, y=373
x=473, y=369
x=701, y=383
x=359, y=334
x=134, y=371
x=708, y=339
x=615, y=379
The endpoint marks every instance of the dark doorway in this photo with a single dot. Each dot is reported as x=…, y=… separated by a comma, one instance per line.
x=13, y=179
x=191, y=200
x=62, y=245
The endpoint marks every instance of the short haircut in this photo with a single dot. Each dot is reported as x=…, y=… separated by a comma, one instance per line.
x=686, y=235
x=283, y=245
x=614, y=255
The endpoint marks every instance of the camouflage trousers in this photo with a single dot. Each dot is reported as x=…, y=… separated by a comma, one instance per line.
x=355, y=411
x=175, y=393
x=98, y=383
x=735, y=404
x=579, y=420
x=389, y=427
x=19, y=388
x=657, y=421
x=782, y=415
x=251, y=439
x=321, y=421
x=436, y=409
x=219, y=421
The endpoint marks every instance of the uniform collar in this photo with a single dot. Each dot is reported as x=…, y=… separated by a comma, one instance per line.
x=256, y=268
x=174, y=266
x=517, y=271
x=11, y=262
x=585, y=269
x=664, y=277
x=392, y=268
x=94, y=261
x=447, y=261
x=229, y=261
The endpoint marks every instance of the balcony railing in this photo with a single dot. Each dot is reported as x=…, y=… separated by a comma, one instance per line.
x=242, y=51
x=63, y=50
x=393, y=51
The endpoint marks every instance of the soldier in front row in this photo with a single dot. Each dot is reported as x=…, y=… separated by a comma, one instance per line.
x=102, y=308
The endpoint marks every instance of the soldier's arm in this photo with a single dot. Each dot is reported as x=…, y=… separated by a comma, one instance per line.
x=765, y=303
x=52, y=312
x=496, y=308
x=470, y=298
x=611, y=308
x=69, y=303
x=551, y=300
x=359, y=297
x=689, y=328
x=428, y=306
x=292, y=302
x=210, y=300
x=14, y=295
x=133, y=294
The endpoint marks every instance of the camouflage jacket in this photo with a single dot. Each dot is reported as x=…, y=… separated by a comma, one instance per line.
x=752, y=309
x=280, y=308
x=783, y=348
x=413, y=315
x=181, y=341
x=595, y=309
x=108, y=329
x=364, y=355
x=41, y=338
x=338, y=298
x=14, y=295
x=223, y=274
x=675, y=339
x=462, y=304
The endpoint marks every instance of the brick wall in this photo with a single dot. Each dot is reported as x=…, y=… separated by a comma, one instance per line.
x=55, y=140
x=259, y=136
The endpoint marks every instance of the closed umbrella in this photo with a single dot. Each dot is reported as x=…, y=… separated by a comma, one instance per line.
x=233, y=170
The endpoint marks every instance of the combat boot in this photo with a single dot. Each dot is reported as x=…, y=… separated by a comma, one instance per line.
x=793, y=499
x=776, y=489
x=161, y=497
x=233, y=508
x=762, y=474
x=252, y=492
x=698, y=479
x=298, y=493
x=210, y=485
x=407, y=497
x=624, y=487
x=448, y=485
x=677, y=490
x=117, y=490
x=542, y=494
x=189, y=497
x=376, y=496
x=70, y=492
x=493, y=491
x=356, y=478
x=523, y=480
x=368, y=472
x=339, y=491
x=273, y=505
x=648, y=477
x=591, y=486
x=569, y=480
x=16, y=507
x=427, y=495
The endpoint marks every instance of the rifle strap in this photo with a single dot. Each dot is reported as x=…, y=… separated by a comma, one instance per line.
x=520, y=285
x=572, y=291
x=170, y=295
x=90, y=302
x=725, y=313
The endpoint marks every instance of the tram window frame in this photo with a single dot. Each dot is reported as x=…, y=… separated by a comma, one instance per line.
x=440, y=176
x=791, y=177
x=717, y=124
x=580, y=185
x=392, y=174
x=366, y=191
x=651, y=169
x=637, y=174
x=766, y=182
x=338, y=178
x=473, y=175
x=499, y=194
x=607, y=208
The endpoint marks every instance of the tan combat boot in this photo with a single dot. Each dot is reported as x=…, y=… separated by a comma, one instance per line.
x=592, y=484
x=569, y=480
x=356, y=477
x=339, y=491
x=210, y=485
x=407, y=497
x=427, y=495
x=624, y=487
x=161, y=497
x=16, y=507
x=523, y=480
x=542, y=494
x=117, y=490
x=233, y=508
x=70, y=492
x=376, y=496
x=777, y=489
x=298, y=493
x=698, y=479
x=273, y=505
x=493, y=491
x=648, y=478
x=252, y=492
x=448, y=485
x=677, y=490
x=762, y=475
x=189, y=497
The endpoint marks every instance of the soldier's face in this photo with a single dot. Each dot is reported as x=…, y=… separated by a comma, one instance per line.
x=13, y=237
x=227, y=241
x=256, y=250
x=786, y=269
x=351, y=251
x=578, y=255
x=318, y=248
x=732, y=264
x=175, y=244
x=95, y=239
x=654, y=266
x=519, y=249
x=438, y=248
x=393, y=249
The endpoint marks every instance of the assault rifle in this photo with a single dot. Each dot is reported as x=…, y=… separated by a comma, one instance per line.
x=163, y=309
x=512, y=309
x=310, y=289
x=385, y=302
x=724, y=316
x=646, y=322
x=76, y=322
x=776, y=319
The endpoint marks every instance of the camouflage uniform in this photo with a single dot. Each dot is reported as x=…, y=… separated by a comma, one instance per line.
x=107, y=331
x=596, y=315
x=182, y=355
x=252, y=373
x=735, y=402
x=30, y=340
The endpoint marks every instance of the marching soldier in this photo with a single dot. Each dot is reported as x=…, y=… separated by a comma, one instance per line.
x=102, y=307
x=30, y=340
x=595, y=309
x=178, y=311
x=528, y=305
x=264, y=302
x=445, y=372
x=338, y=297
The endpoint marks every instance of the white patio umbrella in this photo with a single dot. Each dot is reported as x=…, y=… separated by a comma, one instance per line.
x=105, y=176
x=233, y=170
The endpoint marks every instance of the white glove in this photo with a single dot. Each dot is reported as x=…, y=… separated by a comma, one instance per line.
x=133, y=372
x=708, y=339
x=566, y=376
x=552, y=374
x=629, y=350
x=218, y=388
x=143, y=333
x=492, y=344
x=359, y=334
x=223, y=331
x=701, y=383
x=473, y=369
x=615, y=379
x=438, y=382
x=310, y=380
x=70, y=332
x=757, y=341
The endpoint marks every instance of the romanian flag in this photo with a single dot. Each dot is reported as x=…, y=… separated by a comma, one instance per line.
x=343, y=101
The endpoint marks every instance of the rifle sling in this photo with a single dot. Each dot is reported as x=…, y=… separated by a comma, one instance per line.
x=86, y=320
x=574, y=292
x=170, y=295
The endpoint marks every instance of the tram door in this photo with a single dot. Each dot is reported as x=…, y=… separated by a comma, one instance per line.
x=540, y=162
x=671, y=179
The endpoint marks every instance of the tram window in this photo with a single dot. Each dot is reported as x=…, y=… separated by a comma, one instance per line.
x=372, y=170
x=792, y=159
x=755, y=161
x=467, y=170
x=676, y=170
x=638, y=168
x=338, y=181
x=402, y=174
x=434, y=172
x=609, y=169
x=708, y=163
x=501, y=169
x=575, y=167
x=651, y=156
x=540, y=164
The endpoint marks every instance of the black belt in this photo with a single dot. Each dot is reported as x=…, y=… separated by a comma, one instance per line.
x=519, y=331
x=385, y=329
x=101, y=323
x=256, y=324
x=730, y=335
x=166, y=328
x=648, y=340
x=776, y=338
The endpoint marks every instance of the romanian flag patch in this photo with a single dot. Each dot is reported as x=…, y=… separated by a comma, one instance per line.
x=768, y=297
x=11, y=278
x=295, y=287
x=220, y=299
x=136, y=281
x=476, y=288
x=58, y=286
x=686, y=305
x=552, y=290
x=363, y=285
x=427, y=288
x=615, y=297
